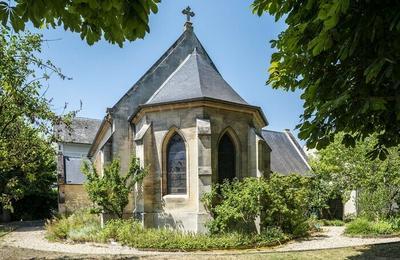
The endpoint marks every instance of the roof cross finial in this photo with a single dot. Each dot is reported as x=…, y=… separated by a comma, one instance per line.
x=188, y=12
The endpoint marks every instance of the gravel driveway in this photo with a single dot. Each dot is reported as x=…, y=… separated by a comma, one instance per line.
x=33, y=237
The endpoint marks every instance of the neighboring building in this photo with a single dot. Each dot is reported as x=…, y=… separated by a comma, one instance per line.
x=188, y=125
x=74, y=145
x=287, y=156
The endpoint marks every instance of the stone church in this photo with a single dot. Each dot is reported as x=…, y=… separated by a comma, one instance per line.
x=190, y=127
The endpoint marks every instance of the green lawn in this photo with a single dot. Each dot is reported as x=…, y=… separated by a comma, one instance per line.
x=386, y=251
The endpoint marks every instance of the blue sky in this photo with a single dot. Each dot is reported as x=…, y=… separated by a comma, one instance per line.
x=236, y=40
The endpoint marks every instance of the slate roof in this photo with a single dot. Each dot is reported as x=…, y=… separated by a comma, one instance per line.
x=82, y=130
x=161, y=70
x=195, y=78
x=287, y=156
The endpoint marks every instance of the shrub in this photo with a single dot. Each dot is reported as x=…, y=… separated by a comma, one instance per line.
x=80, y=226
x=131, y=233
x=395, y=221
x=109, y=192
x=280, y=201
x=36, y=206
x=314, y=224
x=377, y=202
x=365, y=227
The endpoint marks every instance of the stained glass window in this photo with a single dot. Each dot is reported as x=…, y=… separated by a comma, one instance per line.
x=226, y=159
x=176, y=165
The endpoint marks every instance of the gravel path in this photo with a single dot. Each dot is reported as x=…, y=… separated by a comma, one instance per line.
x=332, y=237
x=33, y=237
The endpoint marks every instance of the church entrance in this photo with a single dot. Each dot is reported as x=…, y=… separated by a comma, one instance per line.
x=226, y=159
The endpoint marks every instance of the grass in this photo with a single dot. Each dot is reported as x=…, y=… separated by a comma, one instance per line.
x=367, y=228
x=4, y=230
x=80, y=227
x=333, y=222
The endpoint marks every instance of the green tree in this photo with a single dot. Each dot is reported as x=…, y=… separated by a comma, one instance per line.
x=22, y=76
x=344, y=55
x=279, y=201
x=26, y=119
x=109, y=191
x=114, y=20
x=27, y=171
x=339, y=169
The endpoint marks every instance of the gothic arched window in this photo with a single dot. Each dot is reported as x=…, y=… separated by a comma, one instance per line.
x=226, y=159
x=176, y=165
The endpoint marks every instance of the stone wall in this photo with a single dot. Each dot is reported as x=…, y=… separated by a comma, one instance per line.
x=74, y=197
x=70, y=196
x=201, y=128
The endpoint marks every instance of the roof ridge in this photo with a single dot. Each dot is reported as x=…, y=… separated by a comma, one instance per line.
x=169, y=78
x=86, y=118
x=275, y=131
x=153, y=67
x=210, y=61
x=297, y=148
x=196, y=55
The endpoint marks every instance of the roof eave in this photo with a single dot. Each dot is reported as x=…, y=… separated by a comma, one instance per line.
x=107, y=119
x=258, y=109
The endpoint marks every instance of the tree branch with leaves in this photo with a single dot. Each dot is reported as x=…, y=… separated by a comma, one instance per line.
x=344, y=56
x=116, y=21
x=27, y=155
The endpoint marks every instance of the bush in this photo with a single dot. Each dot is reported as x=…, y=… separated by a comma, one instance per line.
x=131, y=233
x=365, y=227
x=36, y=206
x=80, y=226
x=109, y=192
x=395, y=223
x=280, y=201
x=377, y=202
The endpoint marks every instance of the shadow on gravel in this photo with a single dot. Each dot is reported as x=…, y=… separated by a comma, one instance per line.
x=311, y=238
x=23, y=226
x=381, y=251
x=7, y=252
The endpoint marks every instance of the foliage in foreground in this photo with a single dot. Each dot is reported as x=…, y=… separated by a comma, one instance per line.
x=83, y=226
x=344, y=56
x=279, y=201
x=79, y=226
x=116, y=21
x=365, y=227
x=27, y=157
x=109, y=192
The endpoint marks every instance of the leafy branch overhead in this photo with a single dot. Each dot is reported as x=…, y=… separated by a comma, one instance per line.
x=344, y=55
x=114, y=20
